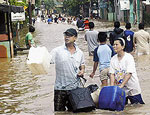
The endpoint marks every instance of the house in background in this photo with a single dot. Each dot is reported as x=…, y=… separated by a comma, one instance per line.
x=147, y=6
x=123, y=10
x=6, y=31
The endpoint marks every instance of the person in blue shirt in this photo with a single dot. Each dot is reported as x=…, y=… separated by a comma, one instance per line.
x=102, y=56
x=49, y=20
x=128, y=36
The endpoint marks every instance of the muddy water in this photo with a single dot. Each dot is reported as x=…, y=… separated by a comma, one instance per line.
x=22, y=93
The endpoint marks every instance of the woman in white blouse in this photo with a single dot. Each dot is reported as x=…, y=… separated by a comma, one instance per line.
x=123, y=73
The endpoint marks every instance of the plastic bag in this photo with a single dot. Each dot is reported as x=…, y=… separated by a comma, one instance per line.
x=38, y=60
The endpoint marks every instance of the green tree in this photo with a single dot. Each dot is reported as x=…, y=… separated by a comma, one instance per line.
x=16, y=3
x=73, y=7
x=49, y=4
x=37, y=3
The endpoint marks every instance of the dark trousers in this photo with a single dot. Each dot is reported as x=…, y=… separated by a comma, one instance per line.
x=135, y=99
x=61, y=100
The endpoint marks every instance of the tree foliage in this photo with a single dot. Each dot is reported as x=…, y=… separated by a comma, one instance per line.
x=49, y=4
x=37, y=3
x=16, y=3
x=73, y=6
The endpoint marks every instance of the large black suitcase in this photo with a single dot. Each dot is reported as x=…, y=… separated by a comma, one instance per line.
x=81, y=100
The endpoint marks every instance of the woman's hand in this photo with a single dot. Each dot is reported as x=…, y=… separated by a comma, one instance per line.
x=121, y=86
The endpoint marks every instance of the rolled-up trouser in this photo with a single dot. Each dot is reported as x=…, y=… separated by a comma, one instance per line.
x=135, y=99
x=61, y=100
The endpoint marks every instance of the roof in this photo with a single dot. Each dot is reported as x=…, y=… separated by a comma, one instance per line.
x=11, y=8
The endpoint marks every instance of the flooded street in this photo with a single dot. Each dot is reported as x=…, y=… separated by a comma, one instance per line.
x=22, y=93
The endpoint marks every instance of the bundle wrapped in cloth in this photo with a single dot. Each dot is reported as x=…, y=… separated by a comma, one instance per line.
x=38, y=60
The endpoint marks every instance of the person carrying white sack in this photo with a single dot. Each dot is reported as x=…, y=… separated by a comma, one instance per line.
x=70, y=66
x=123, y=73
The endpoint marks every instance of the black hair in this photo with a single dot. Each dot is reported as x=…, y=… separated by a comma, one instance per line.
x=31, y=29
x=116, y=24
x=121, y=41
x=102, y=36
x=80, y=17
x=128, y=25
x=141, y=25
x=91, y=25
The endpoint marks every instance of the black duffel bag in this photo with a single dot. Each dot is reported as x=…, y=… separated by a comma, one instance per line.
x=81, y=100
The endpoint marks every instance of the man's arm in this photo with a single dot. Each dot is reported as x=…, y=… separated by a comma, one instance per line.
x=29, y=42
x=148, y=38
x=94, y=69
x=85, y=37
x=134, y=43
x=52, y=56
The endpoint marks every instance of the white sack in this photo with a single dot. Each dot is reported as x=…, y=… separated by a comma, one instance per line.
x=38, y=60
x=95, y=96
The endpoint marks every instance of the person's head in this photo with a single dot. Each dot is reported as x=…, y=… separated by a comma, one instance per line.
x=116, y=24
x=70, y=35
x=128, y=25
x=141, y=25
x=119, y=45
x=80, y=17
x=31, y=29
x=91, y=25
x=102, y=37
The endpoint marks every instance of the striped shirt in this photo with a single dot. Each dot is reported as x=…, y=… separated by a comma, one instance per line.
x=67, y=67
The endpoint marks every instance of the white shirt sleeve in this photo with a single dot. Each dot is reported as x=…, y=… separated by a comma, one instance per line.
x=130, y=64
x=111, y=69
x=82, y=60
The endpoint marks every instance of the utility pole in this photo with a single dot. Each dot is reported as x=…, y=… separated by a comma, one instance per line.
x=30, y=12
x=131, y=12
x=138, y=11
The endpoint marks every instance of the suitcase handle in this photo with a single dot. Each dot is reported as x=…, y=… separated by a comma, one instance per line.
x=76, y=81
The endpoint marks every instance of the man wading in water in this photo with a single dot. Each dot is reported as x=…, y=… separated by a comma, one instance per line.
x=70, y=65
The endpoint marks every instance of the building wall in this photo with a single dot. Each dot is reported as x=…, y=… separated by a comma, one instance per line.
x=118, y=13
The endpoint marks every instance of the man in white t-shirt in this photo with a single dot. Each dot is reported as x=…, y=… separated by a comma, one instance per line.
x=142, y=41
x=91, y=37
x=123, y=73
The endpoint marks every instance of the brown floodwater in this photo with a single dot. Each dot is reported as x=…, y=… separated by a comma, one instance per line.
x=22, y=93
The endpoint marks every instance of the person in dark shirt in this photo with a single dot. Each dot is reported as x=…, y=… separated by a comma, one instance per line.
x=56, y=19
x=80, y=23
x=128, y=36
x=117, y=32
